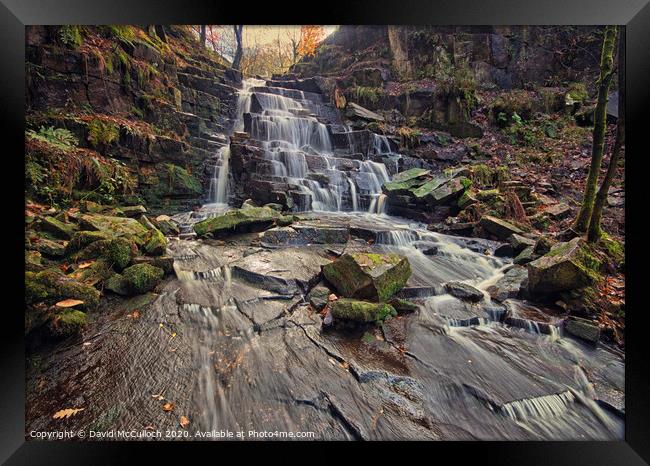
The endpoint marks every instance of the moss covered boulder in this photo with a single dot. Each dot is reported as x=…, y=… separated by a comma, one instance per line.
x=119, y=252
x=361, y=311
x=238, y=221
x=111, y=225
x=67, y=323
x=81, y=239
x=57, y=228
x=375, y=277
x=141, y=278
x=51, y=286
x=155, y=243
x=566, y=266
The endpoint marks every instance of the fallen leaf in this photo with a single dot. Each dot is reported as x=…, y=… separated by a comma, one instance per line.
x=332, y=297
x=66, y=413
x=69, y=303
x=168, y=407
x=157, y=397
x=184, y=422
x=86, y=264
x=134, y=315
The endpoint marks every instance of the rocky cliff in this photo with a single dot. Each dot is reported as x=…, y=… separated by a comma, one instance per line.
x=122, y=114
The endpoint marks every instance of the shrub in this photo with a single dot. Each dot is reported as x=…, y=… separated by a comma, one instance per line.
x=102, y=133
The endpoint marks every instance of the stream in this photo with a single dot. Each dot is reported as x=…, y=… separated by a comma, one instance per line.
x=232, y=342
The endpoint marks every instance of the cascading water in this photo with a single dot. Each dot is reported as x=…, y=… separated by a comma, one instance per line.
x=218, y=192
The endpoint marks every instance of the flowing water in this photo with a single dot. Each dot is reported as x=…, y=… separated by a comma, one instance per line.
x=233, y=344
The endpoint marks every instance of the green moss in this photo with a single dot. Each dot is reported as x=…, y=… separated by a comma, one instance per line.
x=71, y=36
x=577, y=92
x=67, y=323
x=118, y=252
x=81, y=239
x=141, y=278
x=239, y=220
x=367, y=95
x=155, y=243
x=51, y=286
x=180, y=180
x=362, y=311
x=410, y=174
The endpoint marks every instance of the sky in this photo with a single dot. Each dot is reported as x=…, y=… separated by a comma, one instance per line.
x=261, y=35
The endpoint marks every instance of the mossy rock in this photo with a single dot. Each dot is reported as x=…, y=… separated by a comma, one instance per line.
x=499, y=228
x=119, y=252
x=141, y=278
x=238, y=221
x=566, y=266
x=375, y=277
x=402, y=187
x=98, y=271
x=81, y=239
x=51, y=286
x=67, y=323
x=111, y=225
x=33, y=260
x=362, y=311
x=164, y=262
x=58, y=228
x=166, y=225
x=403, y=305
x=155, y=243
x=410, y=174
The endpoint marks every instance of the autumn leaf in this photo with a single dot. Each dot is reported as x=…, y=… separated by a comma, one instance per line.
x=158, y=397
x=184, y=422
x=134, y=315
x=66, y=413
x=69, y=303
x=167, y=407
x=85, y=265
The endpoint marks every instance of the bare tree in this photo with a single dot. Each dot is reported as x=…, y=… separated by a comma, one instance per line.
x=236, y=62
x=202, y=35
x=595, y=232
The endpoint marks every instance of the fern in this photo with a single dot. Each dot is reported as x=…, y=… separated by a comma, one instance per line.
x=60, y=138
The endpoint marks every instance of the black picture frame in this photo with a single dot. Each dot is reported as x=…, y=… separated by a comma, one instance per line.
x=633, y=14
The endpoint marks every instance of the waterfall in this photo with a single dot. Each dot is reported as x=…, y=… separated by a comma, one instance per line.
x=218, y=192
x=377, y=176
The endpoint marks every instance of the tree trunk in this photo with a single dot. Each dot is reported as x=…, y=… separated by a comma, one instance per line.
x=236, y=62
x=160, y=31
x=600, y=116
x=595, y=232
x=202, y=35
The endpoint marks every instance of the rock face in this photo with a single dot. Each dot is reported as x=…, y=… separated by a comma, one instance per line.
x=361, y=311
x=510, y=285
x=567, y=266
x=238, y=221
x=355, y=111
x=374, y=277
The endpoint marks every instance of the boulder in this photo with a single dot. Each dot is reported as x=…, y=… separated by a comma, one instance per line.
x=403, y=305
x=166, y=225
x=567, y=266
x=51, y=286
x=504, y=250
x=361, y=311
x=318, y=297
x=51, y=248
x=519, y=243
x=67, y=323
x=558, y=211
x=499, y=228
x=238, y=221
x=81, y=239
x=110, y=225
x=140, y=278
x=119, y=252
x=410, y=174
x=155, y=243
x=369, y=276
x=305, y=234
x=133, y=211
x=57, y=228
x=357, y=112
x=524, y=256
x=510, y=285
x=464, y=291
x=583, y=328
x=163, y=262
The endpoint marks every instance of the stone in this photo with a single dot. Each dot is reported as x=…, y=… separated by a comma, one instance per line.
x=558, y=211
x=110, y=225
x=403, y=305
x=238, y=221
x=163, y=262
x=361, y=311
x=524, y=256
x=81, y=239
x=166, y=225
x=117, y=285
x=519, y=242
x=499, y=228
x=67, y=323
x=357, y=112
x=51, y=248
x=466, y=200
x=582, y=328
x=155, y=243
x=144, y=220
x=305, y=234
x=52, y=286
x=567, y=266
x=119, y=252
x=510, y=285
x=410, y=174
x=140, y=278
x=318, y=297
x=57, y=228
x=504, y=250
x=542, y=245
x=369, y=276
x=464, y=291
x=133, y=211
